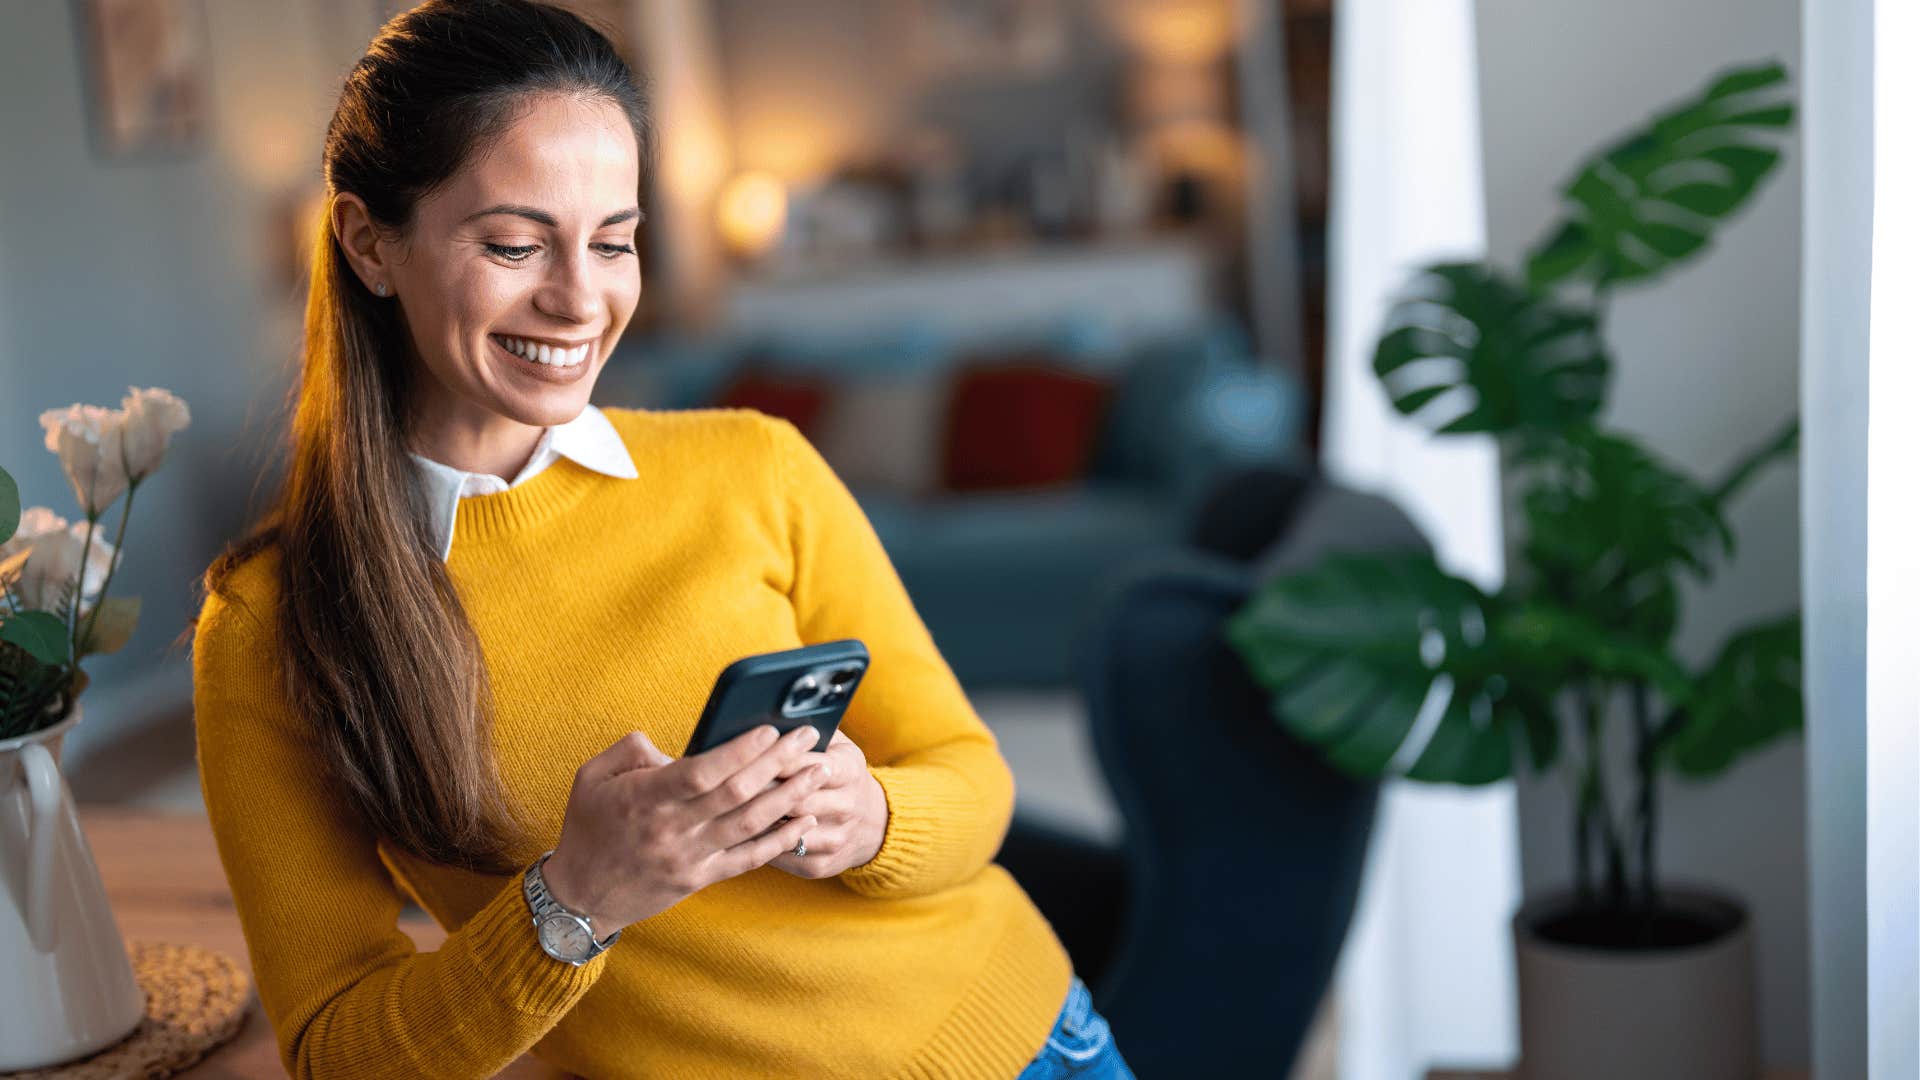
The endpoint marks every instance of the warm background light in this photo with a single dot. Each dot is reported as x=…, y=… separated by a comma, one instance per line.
x=1178, y=32
x=752, y=213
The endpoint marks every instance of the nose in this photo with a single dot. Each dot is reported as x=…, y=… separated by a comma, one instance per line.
x=572, y=291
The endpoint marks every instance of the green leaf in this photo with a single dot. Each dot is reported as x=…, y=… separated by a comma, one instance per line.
x=1572, y=646
x=40, y=633
x=28, y=688
x=1608, y=528
x=1655, y=196
x=9, y=506
x=1354, y=648
x=110, y=627
x=1751, y=695
x=1466, y=350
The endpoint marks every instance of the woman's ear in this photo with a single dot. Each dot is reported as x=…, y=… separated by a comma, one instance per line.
x=359, y=239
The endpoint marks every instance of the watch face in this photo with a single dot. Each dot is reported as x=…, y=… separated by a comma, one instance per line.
x=566, y=937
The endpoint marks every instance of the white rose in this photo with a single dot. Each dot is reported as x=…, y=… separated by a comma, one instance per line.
x=47, y=580
x=35, y=522
x=152, y=416
x=88, y=440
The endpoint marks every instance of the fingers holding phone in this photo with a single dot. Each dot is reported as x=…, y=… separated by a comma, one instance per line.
x=850, y=814
x=643, y=830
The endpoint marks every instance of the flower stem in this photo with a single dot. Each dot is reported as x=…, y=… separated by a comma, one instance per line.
x=113, y=564
x=80, y=578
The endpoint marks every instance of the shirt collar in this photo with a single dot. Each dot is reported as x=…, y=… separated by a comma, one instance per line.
x=588, y=440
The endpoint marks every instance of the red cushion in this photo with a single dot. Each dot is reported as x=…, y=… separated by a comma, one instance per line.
x=1021, y=424
x=796, y=398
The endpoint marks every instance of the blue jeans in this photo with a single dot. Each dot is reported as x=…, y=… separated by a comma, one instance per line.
x=1080, y=1045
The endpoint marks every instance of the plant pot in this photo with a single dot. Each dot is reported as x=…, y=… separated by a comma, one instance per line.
x=66, y=986
x=1666, y=996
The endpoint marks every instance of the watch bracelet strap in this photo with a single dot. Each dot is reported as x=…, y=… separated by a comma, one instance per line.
x=534, y=889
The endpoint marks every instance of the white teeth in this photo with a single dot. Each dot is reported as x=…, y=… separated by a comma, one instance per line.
x=544, y=354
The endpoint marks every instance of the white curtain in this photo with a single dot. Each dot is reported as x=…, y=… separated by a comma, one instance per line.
x=1426, y=978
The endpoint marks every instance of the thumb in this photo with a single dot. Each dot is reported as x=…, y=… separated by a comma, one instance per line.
x=631, y=751
x=651, y=754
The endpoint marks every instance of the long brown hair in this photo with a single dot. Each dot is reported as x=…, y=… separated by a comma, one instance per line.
x=375, y=648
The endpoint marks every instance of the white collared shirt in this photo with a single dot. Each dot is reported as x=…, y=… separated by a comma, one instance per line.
x=588, y=440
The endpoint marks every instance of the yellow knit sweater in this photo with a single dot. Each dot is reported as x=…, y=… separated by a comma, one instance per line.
x=604, y=606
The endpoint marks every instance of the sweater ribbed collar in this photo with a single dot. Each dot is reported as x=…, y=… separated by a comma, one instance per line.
x=480, y=506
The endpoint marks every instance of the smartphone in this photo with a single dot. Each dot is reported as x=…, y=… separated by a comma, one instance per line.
x=788, y=689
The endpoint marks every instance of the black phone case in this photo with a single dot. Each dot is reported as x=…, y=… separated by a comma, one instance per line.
x=749, y=692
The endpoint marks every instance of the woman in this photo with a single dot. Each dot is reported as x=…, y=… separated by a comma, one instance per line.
x=421, y=678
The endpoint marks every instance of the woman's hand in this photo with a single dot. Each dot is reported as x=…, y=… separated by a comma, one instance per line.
x=851, y=813
x=644, y=831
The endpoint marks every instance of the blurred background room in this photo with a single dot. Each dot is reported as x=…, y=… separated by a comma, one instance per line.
x=1091, y=304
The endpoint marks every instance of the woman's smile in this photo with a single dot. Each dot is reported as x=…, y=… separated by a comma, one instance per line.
x=547, y=359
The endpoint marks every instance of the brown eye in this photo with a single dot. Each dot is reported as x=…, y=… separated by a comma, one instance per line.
x=511, y=254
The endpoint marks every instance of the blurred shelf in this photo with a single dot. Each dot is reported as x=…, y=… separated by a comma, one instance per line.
x=885, y=265
x=1128, y=289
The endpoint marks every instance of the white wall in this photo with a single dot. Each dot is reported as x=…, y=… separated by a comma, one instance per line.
x=158, y=272
x=1706, y=364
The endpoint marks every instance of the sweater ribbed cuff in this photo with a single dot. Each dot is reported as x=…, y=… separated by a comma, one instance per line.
x=932, y=817
x=501, y=940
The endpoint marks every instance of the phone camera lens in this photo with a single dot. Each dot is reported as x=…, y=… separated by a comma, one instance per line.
x=842, y=677
x=803, y=692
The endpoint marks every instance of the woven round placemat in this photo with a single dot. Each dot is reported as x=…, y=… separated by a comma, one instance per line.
x=196, y=1000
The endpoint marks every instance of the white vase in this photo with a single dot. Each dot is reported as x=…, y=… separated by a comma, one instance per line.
x=66, y=987
x=1681, y=1012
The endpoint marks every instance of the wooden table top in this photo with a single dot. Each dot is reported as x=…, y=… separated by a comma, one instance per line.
x=165, y=883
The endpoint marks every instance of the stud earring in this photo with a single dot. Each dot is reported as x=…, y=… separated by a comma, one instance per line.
x=380, y=288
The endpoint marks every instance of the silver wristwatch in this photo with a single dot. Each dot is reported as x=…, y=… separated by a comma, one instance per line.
x=564, y=935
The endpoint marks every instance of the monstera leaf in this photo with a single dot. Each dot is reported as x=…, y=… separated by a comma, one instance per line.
x=1655, y=197
x=1750, y=696
x=1608, y=526
x=1557, y=646
x=1357, y=649
x=1466, y=350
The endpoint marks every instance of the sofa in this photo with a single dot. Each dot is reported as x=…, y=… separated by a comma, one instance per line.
x=1004, y=576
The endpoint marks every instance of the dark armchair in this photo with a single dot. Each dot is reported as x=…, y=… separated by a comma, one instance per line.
x=1209, y=936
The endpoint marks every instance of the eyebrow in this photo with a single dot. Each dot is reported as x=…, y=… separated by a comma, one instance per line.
x=631, y=213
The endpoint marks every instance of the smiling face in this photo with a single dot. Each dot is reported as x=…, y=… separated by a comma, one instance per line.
x=516, y=279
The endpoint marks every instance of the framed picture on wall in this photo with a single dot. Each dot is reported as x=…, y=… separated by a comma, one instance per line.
x=145, y=67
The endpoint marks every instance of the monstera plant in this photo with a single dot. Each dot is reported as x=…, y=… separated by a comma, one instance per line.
x=1391, y=665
